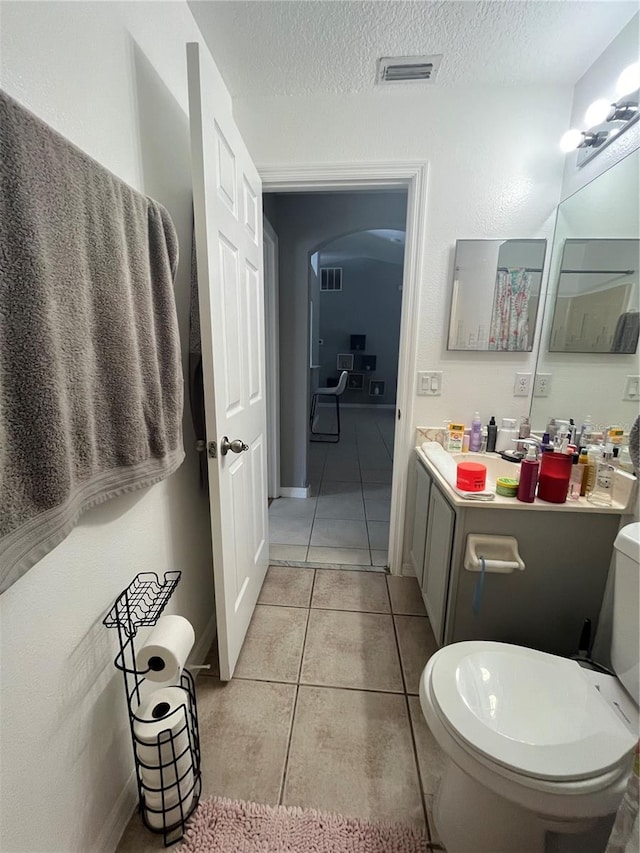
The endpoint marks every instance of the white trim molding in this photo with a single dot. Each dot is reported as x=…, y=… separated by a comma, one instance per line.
x=295, y=492
x=381, y=175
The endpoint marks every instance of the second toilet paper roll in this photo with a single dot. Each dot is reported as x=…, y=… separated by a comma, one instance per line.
x=161, y=732
x=165, y=653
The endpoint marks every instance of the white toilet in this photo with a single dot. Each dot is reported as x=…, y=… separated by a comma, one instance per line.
x=534, y=742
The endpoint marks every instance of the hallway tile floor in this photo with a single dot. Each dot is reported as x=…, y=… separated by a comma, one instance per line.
x=323, y=710
x=346, y=519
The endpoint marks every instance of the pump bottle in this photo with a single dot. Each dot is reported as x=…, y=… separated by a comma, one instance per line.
x=529, y=468
x=492, y=435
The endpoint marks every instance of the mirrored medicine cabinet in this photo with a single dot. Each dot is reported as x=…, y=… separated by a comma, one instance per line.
x=588, y=345
x=496, y=294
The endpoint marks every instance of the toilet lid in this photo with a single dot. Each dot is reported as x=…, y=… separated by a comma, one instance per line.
x=532, y=712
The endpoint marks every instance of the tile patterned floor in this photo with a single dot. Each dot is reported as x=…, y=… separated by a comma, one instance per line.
x=322, y=711
x=346, y=520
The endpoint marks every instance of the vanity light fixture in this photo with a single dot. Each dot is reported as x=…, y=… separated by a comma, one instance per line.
x=605, y=120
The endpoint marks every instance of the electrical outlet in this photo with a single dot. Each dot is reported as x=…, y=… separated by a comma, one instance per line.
x=429, y=383
x=632, y=388
x=522, y=385
x=542, y=386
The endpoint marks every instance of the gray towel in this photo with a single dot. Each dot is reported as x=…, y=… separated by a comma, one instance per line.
x=625, y=337
x=91, y=387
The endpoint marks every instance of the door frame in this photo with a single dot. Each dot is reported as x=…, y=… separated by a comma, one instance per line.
x=272, y=362
x=411, y=176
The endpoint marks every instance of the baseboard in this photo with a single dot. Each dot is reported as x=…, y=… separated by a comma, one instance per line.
x=120, y=816
x=357, y=406
x=294, y=492
x=407, y=570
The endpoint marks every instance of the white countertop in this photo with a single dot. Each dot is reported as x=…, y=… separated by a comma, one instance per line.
x=624, y=490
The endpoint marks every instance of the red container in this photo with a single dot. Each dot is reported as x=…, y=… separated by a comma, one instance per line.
x=471, y=476
x=555, y=473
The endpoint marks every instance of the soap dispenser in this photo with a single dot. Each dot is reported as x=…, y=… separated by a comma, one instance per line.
x=529, y=468
x=492, y=434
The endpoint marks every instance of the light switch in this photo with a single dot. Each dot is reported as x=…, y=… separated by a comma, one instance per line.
x=632, y=388
x=429, y=383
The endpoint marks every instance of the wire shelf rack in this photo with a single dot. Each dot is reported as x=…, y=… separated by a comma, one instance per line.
x=166, y=749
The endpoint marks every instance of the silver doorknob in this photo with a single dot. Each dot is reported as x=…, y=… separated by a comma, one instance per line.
x=235, y=446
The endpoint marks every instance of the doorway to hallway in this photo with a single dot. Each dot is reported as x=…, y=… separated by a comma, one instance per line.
x=409, y=179
x=345, y=521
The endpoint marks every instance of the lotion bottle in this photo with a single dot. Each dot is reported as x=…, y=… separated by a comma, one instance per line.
x=507, y=432
x=529, y=468
x=475, y=440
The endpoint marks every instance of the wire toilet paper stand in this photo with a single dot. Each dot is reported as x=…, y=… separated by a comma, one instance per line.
x=166, y=748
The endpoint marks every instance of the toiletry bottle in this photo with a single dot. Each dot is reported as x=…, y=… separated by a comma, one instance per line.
x=528, y=476
x=483, y=442
x=506, y=434
x=614, y=435
x=594, y=453
x=601, y=493
x=492, y=435
x=475, y=440
x=575, y=480
x=583, y=460
x=585, y=431
x=466, y=439
x=525, y=432
x=552, y=429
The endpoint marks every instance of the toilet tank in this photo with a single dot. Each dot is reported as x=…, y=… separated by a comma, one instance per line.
x=625, y=639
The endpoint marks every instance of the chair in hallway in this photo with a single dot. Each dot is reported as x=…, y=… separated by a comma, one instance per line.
x=326, y=393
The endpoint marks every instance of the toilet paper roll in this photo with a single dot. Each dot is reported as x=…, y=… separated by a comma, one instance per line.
x=173, y=808
x=158, y=818
x=166, y=650
x=165, y=763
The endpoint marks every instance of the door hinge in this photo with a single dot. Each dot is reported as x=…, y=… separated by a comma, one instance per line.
x=398, y=414
x=212, y=450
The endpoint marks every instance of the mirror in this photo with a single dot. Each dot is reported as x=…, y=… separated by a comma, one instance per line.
x=599, y=222
x=495, y=294
x=595, y=297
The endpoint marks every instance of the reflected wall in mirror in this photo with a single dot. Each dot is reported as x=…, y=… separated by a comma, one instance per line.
x=592, y=383
x=597, y=295
x=495, y=295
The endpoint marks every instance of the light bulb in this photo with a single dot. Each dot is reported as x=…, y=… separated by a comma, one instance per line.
x=629, y=80
x=570, y=140
x=597, y=112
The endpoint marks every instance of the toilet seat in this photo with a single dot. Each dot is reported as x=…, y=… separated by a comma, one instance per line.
x=533, y=713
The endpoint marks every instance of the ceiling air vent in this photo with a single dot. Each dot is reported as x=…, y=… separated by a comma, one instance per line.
x=402, y=69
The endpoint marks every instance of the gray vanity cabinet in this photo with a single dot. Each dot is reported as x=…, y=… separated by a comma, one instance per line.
x=441, y=524
x=566, y=554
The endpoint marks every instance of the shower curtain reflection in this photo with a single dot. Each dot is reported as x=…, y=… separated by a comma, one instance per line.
x=510, y=317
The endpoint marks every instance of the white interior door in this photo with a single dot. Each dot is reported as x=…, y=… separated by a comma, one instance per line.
x=227, y=196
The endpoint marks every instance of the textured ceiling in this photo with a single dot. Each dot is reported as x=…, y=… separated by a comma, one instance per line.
x=301, y=47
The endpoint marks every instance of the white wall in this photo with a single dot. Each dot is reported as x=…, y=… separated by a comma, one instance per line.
x=495, y=170
x=369, y=303
x=112, y=78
